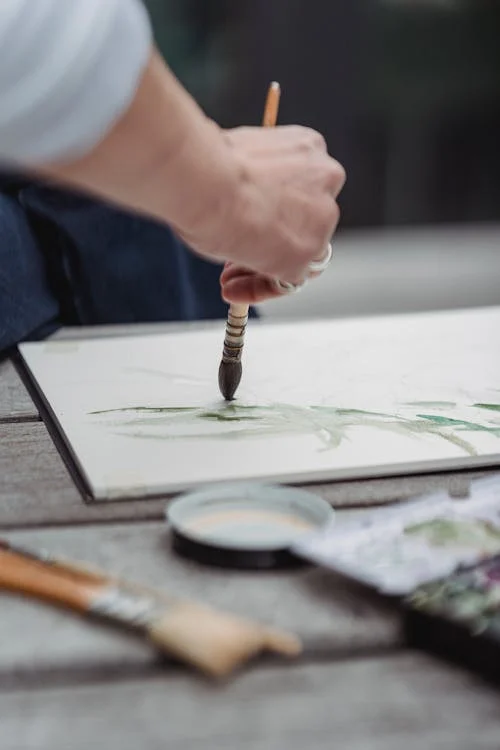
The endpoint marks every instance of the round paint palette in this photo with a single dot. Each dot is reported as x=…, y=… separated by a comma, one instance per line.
x=245, y=525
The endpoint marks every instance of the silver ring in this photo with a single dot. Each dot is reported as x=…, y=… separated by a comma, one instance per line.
x=286, y=287
x=318, y=266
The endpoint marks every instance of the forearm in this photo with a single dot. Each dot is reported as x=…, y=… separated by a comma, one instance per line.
x=163, y=157
x=87, y=102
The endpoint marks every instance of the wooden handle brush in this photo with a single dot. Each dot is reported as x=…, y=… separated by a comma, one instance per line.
x=214, y=642
x=230, y=368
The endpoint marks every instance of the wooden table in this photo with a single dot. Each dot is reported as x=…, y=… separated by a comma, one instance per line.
x=66, y=684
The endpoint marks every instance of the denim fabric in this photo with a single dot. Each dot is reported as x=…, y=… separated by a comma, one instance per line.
x=67, y=260
x=27, y=302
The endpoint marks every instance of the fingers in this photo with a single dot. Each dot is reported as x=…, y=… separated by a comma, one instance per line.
x=317, y=267
x=280, y=214
x=279, y=140
x=336, y=178
x=327, y=218
x=240, y=286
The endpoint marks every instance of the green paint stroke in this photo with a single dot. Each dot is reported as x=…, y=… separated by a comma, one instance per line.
x=489, y=407
x=330, y=425
x=460, y=424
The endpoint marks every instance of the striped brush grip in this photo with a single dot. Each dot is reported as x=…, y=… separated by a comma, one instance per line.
x=234, y=340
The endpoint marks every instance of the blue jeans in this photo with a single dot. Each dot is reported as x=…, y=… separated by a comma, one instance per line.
x=68, y=260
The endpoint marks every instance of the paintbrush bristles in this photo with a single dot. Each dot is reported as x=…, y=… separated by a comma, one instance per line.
x=215, y=642
x=229, y=379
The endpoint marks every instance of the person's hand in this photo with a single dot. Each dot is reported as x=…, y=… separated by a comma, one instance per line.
x=264, y=199
x=279, y=215
x=241, y=286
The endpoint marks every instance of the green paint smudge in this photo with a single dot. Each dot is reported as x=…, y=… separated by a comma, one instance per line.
x=460, y=424
x=489, y=407
x=145, y=409
x=330, y=425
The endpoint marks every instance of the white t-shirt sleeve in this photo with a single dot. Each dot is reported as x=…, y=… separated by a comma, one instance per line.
x=68, y=70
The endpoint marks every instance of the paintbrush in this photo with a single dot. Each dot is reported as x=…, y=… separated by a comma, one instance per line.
x=230, y=368
x=212, y=641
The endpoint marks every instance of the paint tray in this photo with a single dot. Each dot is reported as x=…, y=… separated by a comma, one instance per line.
x=458, y=618
x=439, y=559
x=245, y=525
x=397, y=550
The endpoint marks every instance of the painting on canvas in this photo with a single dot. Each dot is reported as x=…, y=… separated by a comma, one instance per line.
x=351, y=398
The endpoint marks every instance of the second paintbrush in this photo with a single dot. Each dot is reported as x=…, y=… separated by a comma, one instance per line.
x=231, y=369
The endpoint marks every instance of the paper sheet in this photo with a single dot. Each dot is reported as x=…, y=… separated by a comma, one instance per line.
x=318, y=400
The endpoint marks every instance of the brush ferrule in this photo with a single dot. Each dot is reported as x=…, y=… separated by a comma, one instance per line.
x=115, y=604
x=235, y=337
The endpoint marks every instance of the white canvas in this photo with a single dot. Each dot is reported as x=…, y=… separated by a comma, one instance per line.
x=318, y=400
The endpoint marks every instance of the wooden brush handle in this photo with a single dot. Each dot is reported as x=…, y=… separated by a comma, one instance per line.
x=237, y=314
x=74, y=587
x=271, y=109
x=93, y=574
x=32, y=578
x=239, y=311
x=272, y=106
x=86, y=573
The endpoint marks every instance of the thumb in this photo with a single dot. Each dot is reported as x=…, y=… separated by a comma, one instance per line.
x=241, y=286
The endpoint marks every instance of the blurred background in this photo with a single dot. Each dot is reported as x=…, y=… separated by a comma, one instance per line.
x=407, y=94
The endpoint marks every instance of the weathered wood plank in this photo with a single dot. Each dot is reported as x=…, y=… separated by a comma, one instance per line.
x=15, y=402
x=382, y=491
x=408, y=701
x=36, y=488
x=329, y=614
